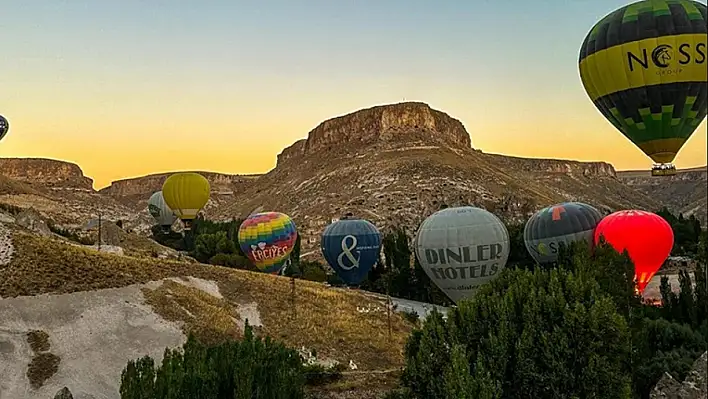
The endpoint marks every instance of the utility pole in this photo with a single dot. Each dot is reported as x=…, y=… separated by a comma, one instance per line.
x=99, y=231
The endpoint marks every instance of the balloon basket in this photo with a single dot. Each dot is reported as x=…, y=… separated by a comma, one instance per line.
x=666, y=169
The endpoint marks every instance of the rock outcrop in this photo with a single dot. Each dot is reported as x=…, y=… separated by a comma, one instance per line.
x=386, y=126
x=64, y=393
x=33, y=220
x=45, y=172
x=694, y=386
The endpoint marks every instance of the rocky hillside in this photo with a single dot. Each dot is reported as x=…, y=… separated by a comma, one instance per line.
x=397, y=164
x=46, y=173
x=135, y=192
x=97, y=311
x=685, y=192
x=69, y=203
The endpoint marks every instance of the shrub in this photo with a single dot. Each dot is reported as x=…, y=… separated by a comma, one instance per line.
x=252, y=368
x=525, y=334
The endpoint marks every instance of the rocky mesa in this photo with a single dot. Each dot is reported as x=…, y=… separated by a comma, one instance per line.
x=46, y=172
x=396, y=164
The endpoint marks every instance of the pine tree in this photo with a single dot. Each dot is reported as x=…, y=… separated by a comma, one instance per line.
x=525, y=335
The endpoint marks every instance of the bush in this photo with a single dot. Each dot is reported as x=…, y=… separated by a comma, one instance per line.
x=317, y=374
x=525, y=334
x=230, y=260
x=312, y=271
x=252, y=368
x=661, y=346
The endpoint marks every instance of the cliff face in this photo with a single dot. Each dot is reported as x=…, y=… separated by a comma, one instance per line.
x=146, y=185
x=386, y=126
x=685, y=192
x=45, y=172
x=598, y=169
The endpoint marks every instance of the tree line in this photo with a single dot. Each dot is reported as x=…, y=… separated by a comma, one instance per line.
x=398, y=273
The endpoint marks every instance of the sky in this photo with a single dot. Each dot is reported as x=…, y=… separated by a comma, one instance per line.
x=128, y=88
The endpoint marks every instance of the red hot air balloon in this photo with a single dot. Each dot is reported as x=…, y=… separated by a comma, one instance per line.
x=646, y=236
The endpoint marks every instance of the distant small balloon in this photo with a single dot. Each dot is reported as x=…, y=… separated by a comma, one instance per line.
x=4, y=127
x=159, y=210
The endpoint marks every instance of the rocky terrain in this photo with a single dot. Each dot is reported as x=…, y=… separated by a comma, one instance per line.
x=96, y=311
x=393, y=164
x=135, y=192
x=686, y=192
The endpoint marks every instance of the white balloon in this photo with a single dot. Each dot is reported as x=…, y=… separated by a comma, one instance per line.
x=160, y=211
x=461, y=249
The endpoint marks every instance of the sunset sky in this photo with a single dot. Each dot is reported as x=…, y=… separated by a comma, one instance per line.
x=127, y=88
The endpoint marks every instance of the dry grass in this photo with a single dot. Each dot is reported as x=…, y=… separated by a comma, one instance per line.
x=323, y=319
x=369, y=385
x=206, y=316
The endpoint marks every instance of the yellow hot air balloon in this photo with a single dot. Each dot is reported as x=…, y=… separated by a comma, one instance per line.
x=644, y=68
x=186, y=194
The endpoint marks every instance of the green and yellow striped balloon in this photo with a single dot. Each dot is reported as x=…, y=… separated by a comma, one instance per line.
x=644, y=68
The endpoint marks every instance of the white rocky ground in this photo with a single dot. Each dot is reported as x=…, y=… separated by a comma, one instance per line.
x=6, y=247
x=94, y=333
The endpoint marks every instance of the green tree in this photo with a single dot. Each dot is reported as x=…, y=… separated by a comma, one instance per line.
x=208, y=245
x=295, y=254
x=518, y=254
x=251, y=368
x=526, y=334
x=662, y=346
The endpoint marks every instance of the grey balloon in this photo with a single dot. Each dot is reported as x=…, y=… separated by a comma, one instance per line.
x=160, y=211
x=461, y=249
x=559, y=224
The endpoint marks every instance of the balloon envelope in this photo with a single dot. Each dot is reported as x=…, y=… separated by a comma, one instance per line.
x=646, y=236
x=160, y=211
x=644, y=68
x=461, y=249
x=351, y=247
x=4, y=127
x=186, y=194
x=268, y=239
x=559, y=224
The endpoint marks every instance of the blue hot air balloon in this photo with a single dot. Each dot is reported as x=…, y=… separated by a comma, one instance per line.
x=351, y=247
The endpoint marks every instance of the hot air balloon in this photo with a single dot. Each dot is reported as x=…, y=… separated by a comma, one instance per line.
x=268, y=239
x=186, y=194
x=461, y=249
x=351, y=247
x=160, y=211
x=559, y=224
x=4, y=127
x=644, y=68
x=646, y=236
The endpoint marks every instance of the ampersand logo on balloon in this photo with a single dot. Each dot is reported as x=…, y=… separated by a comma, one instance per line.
x=348, y=244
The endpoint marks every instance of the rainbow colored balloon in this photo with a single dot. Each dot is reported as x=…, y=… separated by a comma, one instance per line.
x=268, y=239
